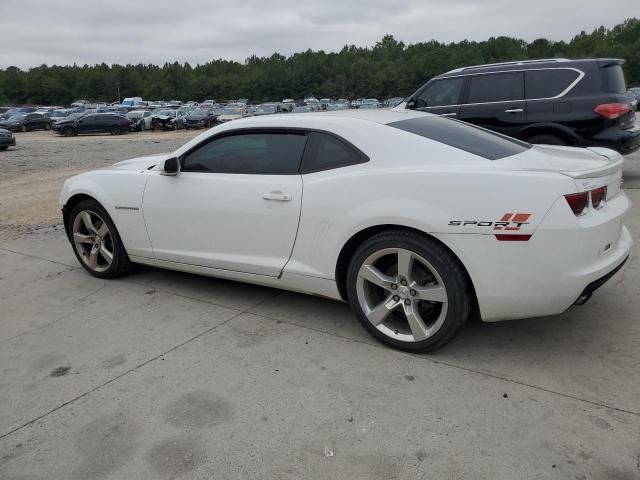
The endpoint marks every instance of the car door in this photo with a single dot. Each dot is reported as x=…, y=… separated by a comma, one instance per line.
x=495, y=101
x=33, y=121
x=235, y=204
x=441, y=97
x=147, y=120
x=86, y=124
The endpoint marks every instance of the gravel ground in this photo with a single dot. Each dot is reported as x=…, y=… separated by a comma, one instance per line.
x=33, y=172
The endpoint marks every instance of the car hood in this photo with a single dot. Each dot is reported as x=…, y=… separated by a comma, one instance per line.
x=571, y=161
x=140, y=163
x=163, y=117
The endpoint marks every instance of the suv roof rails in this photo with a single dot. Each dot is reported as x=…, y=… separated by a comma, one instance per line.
x=516, y=62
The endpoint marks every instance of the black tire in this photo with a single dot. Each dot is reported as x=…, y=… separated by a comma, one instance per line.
x=2, y=149
x=23, y=128
x=547, y=139
x=115, y=130
x=47, y=127
x=460, y=299
x=120, y=264
x=68, y=131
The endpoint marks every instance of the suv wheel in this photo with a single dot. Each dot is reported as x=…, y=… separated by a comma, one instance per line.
x=408, y=291
x=547, y=139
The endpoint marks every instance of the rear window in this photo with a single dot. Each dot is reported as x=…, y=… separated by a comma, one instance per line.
x=496, y=87
x=463, y=136
x=614, y=79
x=548, y=83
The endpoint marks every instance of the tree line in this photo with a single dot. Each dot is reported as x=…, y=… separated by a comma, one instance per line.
x=389, y=68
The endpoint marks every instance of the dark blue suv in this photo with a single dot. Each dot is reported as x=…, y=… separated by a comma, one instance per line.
x=555, y=101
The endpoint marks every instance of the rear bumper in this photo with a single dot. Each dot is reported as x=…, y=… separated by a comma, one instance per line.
x=547, y=274
x=593, y=286
x=622, y=141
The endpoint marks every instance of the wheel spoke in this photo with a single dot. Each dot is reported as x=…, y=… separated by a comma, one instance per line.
x=88, y=223
x=379, y=314
x=417, y=326
x=80, y=238
x=434, y=293
x=103, y=230
x=93, y=257
x=405, y=264
x=375, y=276
x=106, y=254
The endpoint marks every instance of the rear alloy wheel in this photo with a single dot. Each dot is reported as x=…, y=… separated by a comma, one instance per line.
x=115, y=130
x=408, y=291
x=96, y=242
x=547, y=139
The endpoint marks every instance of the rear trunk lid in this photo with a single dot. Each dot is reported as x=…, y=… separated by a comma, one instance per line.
x=589, y=167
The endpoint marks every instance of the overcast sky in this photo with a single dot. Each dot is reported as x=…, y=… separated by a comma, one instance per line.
x=155, y=31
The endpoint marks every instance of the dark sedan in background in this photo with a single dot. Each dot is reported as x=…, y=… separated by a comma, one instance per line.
x=7, y=139
x=25, y=122
x=201, y=118
x=93, y=123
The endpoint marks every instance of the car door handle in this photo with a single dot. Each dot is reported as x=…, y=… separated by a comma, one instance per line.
x=514, y=110
x=277, y=196
x=450, y=114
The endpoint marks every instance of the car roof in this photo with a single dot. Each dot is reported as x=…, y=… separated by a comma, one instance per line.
x=381, y=116
x=525, y=64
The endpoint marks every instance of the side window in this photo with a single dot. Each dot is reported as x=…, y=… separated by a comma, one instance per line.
x=261, y=153
x=496, y=87
x=548, y=83
x=441, y=92
x=325, y=152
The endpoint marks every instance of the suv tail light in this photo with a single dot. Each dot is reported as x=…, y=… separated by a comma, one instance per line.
x=612, y=110
x=597, y=196
x=578, y=202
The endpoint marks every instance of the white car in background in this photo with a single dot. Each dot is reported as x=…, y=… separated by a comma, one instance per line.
x=233, y=111
x=417, y=221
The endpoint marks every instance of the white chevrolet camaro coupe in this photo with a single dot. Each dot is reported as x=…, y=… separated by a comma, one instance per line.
x=417, y=221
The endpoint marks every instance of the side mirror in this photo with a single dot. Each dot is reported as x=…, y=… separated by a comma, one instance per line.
x=411, y=104
x=170, y=167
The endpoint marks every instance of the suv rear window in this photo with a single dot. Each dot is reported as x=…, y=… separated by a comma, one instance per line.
x=463, y=136
x=548, y=83
x=614, y=79
x=496, y=87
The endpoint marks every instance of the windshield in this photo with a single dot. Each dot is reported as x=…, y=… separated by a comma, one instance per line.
x=232, y=111
x=266, y=109
x=463, y=136
x=58, y=114
x=18, y=116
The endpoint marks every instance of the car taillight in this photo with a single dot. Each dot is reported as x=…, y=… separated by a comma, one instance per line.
x=612, y=110
x=578, y=202
x=598, y=196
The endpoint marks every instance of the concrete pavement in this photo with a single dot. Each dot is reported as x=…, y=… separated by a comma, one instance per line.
x=163, y=375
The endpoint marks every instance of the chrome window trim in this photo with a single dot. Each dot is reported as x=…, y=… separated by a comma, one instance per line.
x=581, y=75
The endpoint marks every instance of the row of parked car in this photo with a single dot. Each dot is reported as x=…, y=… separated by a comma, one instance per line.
x=552, y=101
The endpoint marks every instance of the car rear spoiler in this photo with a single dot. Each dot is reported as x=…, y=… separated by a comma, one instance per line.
x=609, y=62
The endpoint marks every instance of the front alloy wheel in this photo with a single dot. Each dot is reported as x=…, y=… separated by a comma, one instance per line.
x=92, y=240
x=408, y=290
x=96, y=241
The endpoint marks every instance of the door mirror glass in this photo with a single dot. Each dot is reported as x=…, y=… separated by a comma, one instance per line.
x=170, y=167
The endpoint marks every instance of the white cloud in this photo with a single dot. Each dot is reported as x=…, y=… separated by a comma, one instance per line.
x=158, y=31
